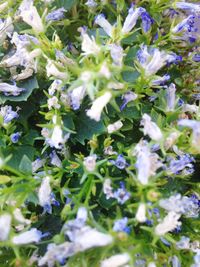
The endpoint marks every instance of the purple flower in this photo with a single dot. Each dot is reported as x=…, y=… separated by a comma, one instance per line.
x=121, y=194
x=15, y=137
x=183, y=164
x=120, y=162
x=147, y=21
x=196, y=58
x=121, y=225
x=56, y=15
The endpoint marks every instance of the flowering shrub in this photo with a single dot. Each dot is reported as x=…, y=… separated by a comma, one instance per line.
x=100, y=133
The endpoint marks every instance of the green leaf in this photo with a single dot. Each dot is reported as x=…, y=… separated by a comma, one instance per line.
x=25, y=165
x=67, y=4
x=4, y=179
x=86, y=128
x=29, y=85
x=130, y=76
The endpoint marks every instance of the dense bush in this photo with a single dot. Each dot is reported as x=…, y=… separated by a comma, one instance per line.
x=100, y=133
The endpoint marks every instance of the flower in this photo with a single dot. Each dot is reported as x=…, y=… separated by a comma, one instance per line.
x=89, y=45
x=37, y=164
x=56, y=15
x=153, y=60
x=8, y=114
x=183, y=243
x=121, y=225
x=33, y=235
x=150, y=128
x=131, y=19
x=188, y=6
x=6, y=29
x=52, y=70
x=44, y=195
x=97, y=106
x=5, y=224
x=55, y=159
x=90, y=163
x=107, y=188
x=103, y=23
x=91, y=3
x=121, y=194
x=53, y=103
x=20, y=218
x=15, y=137
x=76, y=96
x=117, y=54
x=141, y=213
x=147, y=21
x=147, y=159
x=160, y=80
x=169, y=223
x=9, y=89
x=30, y=15
x=55, y=86
x=117, y=260
x=171, y=97
x=114, y=126
x=128, y=97
x=120, y=162
x=182, y=165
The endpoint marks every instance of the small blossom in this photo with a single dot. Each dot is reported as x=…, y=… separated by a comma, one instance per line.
x=128, y=97
x=95, y=111
x=161, y=80
x=5, y=224
x=147, y=159
x=89, y=45
x=55, y=159
x=175, y=261
x=107, y=188
x=114, y=126
x=131, y=19
x=121, y=194
x=169, y=223
x=8, y=114
x=6, y=29
x=117, y=54
x=120, y=162
x=103, y=23
x=37, y=164
x=53, y=103
x=147, y=21
x=150, y=128
x=20, y=218
x=90, y=163
x=9, y=89
x=91, y=3
x=44, y=195
x=121, y=225
x=141, y=213
x=118, y=260
x=171, y=140
x=30, y=15
x=190, y=108
x=52, y=70
x=181, y=165
x=31, y=236
x=188, y=6
x=15, y=137
x=56, y=15
x=55, y=86
x=76, y=96
x=171, y=97
x=195, y=126
x=183, y=243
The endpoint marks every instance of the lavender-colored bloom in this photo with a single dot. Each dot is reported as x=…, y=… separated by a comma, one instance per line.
x=131, y=19
x=8, y=114
x=103, y=23
x=76, y=96
x=121, y=225
x=182, y=162
x=161, y=80
x=121, y=194
x=186, y=24
x=128, y=97
x=33, y=235
x=196, y=58
x=9, y=89
x=120, y=162
x=165, y=241
x=53, y=200
x=150, y=128
x=184, y=243
x=147, y=21
x=91, y=3
x=171, y=97
x=116, y=52
x=175, y=261
x=56, y=15
x=188, y=6
x=55, y=160
x=15, y=137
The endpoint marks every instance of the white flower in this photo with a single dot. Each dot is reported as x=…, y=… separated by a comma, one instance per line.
x=147, y=159
x=20, y=218
x=89, y=45
x=53, y=103
x=175, y=261
x=169, y=223
x=76, y=96
x=190, y=108
x=114, y=126
x=90, y=163
x=104, y=71
x=97, y=107
x=55, y=86
x=141, y=213
x=117, y=54
x=5, y=223
x=102, y=22
x=131, y=19
x=57, y=140
x=52, y=70
x=150, y=128
x=107, y=188
x=9, y=89
x=171, y=97
x=6, y=28
x=37, y=164
x=171, y=139
x=195, y=126
x=118, y=260
x=44, y=194
x=27, y=237
x=151, y=264
x=55, y=159
x=30, y=15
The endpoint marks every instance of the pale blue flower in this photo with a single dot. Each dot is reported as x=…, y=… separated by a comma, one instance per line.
x=121, y=225
x=56, y=15
x=188, y=6
x=15, y=137
x=8, y=114
x=121, y=194
x=147, y=21
x=131, y=19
